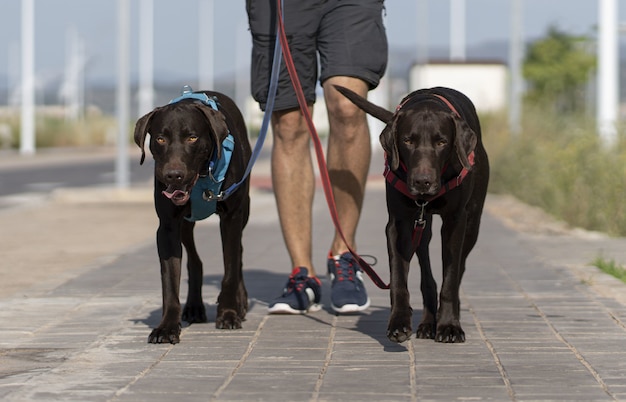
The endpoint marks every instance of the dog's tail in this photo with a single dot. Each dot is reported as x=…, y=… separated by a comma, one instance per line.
x=380, y=113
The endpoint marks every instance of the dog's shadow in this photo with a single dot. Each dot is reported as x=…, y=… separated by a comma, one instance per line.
x=264, y=286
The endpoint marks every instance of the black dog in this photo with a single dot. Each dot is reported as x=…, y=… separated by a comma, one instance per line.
x=436, y=164
x=186, y=136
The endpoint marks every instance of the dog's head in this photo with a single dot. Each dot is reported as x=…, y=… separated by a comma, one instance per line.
x=183, y=136
x=427, y=138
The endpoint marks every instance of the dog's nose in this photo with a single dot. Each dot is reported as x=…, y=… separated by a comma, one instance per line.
x=423, y=180
x=174, y=175
x=423, y=183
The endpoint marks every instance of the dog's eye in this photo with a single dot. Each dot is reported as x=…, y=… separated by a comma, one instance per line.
x=442, y=143
x=192, y=138
x=160, y=140
x=407, y=141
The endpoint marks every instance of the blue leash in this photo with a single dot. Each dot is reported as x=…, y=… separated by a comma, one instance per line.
x=266, y=117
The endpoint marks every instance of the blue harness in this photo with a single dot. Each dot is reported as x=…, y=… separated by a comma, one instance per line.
x=206, y=192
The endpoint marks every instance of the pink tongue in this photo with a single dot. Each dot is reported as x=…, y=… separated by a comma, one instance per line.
x=174, y=194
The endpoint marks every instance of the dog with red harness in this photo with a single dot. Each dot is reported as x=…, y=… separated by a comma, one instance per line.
x=435, y=164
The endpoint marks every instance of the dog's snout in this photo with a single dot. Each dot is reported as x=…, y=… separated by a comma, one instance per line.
x=174, y=175
x=423, y=182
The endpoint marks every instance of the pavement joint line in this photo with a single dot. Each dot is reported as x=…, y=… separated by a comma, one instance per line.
x=572, y=348
x=503, y=374
x=412, y=370
x=560, y=337
x=327, y=358
x=142, y=374
x=243, y=359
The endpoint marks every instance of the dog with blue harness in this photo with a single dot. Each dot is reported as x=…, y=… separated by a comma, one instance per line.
x=200, y=148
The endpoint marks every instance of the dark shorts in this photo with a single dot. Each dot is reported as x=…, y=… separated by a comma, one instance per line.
x=347, y=35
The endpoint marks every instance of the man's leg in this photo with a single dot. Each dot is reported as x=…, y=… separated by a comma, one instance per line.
x=349, y=154
x=293, y=180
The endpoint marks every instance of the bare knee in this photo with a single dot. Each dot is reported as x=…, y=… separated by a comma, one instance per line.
x=289, y=129
x=345, y=118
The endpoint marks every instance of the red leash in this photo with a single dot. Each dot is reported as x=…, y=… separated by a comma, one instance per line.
x=321, y=161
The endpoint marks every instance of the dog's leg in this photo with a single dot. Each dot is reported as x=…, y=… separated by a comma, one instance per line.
x=170, y=253
x=400, y=252
x=428, y=286
x=448, y=317
x=168, y=330
x=232, y=302
x=194, y=310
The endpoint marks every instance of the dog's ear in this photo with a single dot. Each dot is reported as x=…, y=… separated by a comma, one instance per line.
x=465, y=141
x=389, y=141
x=141, y=130
x=219, y=129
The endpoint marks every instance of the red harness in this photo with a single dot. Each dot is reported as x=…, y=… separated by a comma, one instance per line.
x=421, y=202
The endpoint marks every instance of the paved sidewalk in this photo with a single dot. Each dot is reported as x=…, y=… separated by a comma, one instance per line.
x=540, y=323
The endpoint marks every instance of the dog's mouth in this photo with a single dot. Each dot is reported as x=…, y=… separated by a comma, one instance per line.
x=179, y=195
x=424, y=191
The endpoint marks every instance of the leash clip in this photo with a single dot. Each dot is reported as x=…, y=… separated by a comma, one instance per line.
x=420, y=221
x=209, y=195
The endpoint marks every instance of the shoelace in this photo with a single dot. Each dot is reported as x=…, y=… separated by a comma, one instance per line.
x=296, y=283
x=351, y=273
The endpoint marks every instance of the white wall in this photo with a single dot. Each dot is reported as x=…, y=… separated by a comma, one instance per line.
x=485, y=84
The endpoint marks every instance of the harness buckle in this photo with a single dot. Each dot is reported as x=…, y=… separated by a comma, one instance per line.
x=209, y=195
x=420, y=221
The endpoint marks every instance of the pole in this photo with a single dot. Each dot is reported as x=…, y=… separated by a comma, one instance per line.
x=608, y=78
x=422, y=32
x=27, y=130
x=122, y=168
x=516, y=54
x=205, y=44
x=146, y=56
x=457, y=30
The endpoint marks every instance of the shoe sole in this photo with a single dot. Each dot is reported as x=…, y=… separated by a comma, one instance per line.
x=351, y=308
x=284, y=308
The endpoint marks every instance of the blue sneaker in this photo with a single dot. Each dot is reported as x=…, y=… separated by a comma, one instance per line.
x=301, y=295
x=348, y=294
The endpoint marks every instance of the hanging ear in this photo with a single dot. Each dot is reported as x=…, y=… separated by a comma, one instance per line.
x=389, y=141
x=141, y=130
x=217, y=122
x=465, y=141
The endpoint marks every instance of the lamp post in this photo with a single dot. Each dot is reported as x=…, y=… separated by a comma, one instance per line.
x=608, y=77
x=27, y=129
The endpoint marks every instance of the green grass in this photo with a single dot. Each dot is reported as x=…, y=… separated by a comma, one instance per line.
x=559, y=164
x=610, y=267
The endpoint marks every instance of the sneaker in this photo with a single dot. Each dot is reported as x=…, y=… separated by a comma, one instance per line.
x=348, y=294
x=301, y=295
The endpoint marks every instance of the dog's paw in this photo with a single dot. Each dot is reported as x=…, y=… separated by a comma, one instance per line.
x=193, y=313
x=228, y=319
x=399, y=335
x=399, y=328
x=450, y=334
x=167, y=334
x=425, y=331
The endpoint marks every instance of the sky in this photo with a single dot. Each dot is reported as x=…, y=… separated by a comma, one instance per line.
x=177, y=28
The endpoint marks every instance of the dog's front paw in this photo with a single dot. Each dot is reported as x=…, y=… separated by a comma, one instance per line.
x=193, y=313
x=450, y=333
x=399, y=328
x=399, y=335
x=228, y=319
x=425, y=331
x=165, y=334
